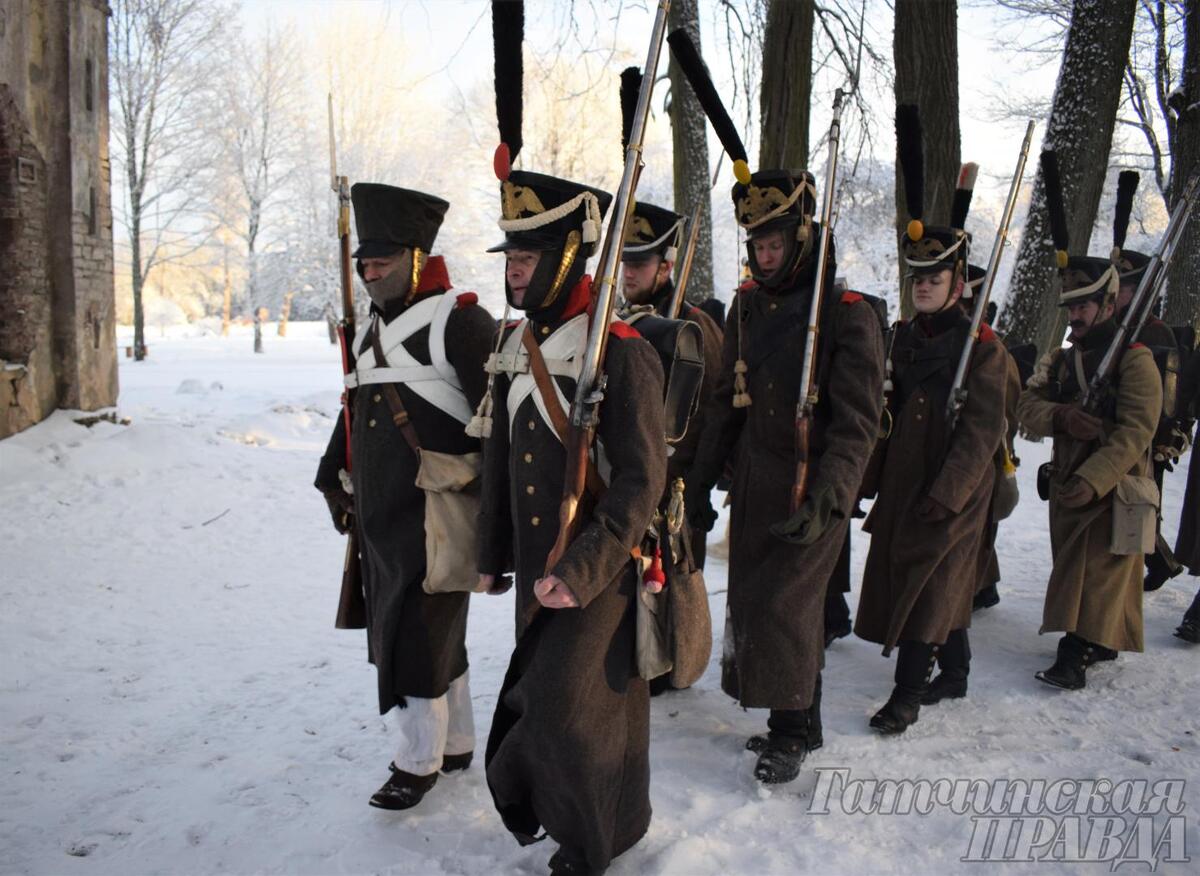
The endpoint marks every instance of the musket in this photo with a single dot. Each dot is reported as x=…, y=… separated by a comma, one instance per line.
x=351, y=612
x=1144, y=299
x=958, y=389
x=589, y=390
x=809, y=387
x=689, y=254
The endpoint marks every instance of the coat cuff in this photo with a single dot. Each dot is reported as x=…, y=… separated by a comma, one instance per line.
x=591, y=563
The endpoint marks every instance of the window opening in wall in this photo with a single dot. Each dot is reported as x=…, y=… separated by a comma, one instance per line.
x=92, y=223
x=89, y=85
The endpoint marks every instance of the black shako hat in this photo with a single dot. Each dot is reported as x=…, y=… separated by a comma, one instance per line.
x=538, y=212
x=774, y=200
x=652, y=231
x=389, y=218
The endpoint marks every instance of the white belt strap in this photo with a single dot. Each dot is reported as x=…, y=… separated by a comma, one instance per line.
x=369, y=376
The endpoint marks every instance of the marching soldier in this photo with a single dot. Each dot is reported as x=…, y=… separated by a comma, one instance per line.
x=780, y=565
x=647, y=262
x=937, y=480
x=1169, y=444
x=419, y=373
x=569, y=746
x=1100, y=467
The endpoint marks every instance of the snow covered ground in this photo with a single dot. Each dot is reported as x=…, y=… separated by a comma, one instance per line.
x=174, y=697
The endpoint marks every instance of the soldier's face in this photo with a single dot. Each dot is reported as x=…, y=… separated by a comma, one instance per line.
x=769, y=252
x=1082, y=316
x=377, y=269
x=932, y=292
x=1124, y=295
x=643, y=278
x=518, y=270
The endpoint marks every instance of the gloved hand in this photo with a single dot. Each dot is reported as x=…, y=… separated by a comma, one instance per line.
x=697, y=503
x=341, y=509
x=806, y=525
x=1077, y=423
x=1076, y=493
x=930, y=510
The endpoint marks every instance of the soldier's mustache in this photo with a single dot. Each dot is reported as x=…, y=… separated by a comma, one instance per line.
x=1077, y=324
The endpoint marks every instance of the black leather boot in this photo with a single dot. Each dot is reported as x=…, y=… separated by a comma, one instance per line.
x=914, y=665
x=807, y=723
x=985, y=598
x=1189, y=630
x=1075, y=655
x=954, y=659
x=402, y=790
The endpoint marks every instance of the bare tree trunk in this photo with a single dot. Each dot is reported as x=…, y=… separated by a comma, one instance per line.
x=689, y=131
x=137, y=278
x=260, y=316
x=786, y=94
x=1081, y=124
x=925, y=49
x=1183, y=288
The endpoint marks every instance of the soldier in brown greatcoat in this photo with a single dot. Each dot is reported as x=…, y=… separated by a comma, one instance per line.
x=937, y=480
x=433, y=343
x=1100, y=467
x=569, y=746
x=779, y=567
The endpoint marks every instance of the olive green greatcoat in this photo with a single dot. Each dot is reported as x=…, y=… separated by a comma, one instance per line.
x=1092, y=592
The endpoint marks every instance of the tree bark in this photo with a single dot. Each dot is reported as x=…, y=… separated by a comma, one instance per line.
x=689, y=138
x=786, y=95
x=1183, y=291
x=1080, y=129
x=925, y=50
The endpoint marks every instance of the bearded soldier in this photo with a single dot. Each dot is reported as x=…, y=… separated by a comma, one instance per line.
x=419, y=373
x=937, y=479
x=1100, y=467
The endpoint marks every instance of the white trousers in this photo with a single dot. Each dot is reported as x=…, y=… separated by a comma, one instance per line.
x=432, y=728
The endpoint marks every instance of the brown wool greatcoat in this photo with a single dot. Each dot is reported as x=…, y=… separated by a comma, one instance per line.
x=1092, y=592
x=920, y=576
x=989, y=563
x=569, y=744
x=416, y=640
x=774, y=637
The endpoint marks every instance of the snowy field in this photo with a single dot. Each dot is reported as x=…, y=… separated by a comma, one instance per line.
x=174, y=697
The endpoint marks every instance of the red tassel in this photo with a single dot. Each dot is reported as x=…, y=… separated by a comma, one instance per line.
x=654, y=577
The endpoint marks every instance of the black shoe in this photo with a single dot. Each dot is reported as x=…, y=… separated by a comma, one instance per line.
x=562, y=862
x=659, y=686
x=780, y=759
x=452, y=763
x=758, y=741
x=954, y=658
x=1154, y=581
x=402, y=790
x=901, y=710
x=947, y=686
x=985, y=598
x=1075, y=655
x=914, y=665
x=1189, y=631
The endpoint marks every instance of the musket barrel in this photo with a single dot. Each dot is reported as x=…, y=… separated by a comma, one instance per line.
x=587, y=390
x=958, y=395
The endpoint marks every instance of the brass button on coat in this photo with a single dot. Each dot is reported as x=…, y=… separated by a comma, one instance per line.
x=529, y=457
x=371, y=423
x=529, y=490
x=532, y=425
x=536, y=521
x=377, y=398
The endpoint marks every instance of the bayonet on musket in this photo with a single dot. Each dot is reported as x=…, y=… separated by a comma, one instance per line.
x=958, y=389
x=589, y=390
